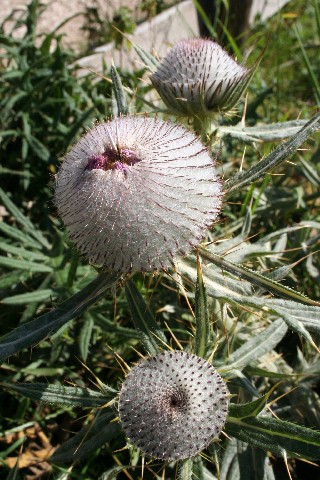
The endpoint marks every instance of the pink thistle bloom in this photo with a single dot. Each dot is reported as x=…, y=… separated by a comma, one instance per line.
x=197, y=78
x=134, y=192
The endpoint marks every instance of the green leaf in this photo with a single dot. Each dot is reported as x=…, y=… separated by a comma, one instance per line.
x=298, y=316
x=122, y=106
x=17, y=234
x=38, y=148
x=251, y=409
x=28, y=227
x=198, y=469
x=85, y=337
x=151, y=334
x=185, y=469
x=252, y=461
x=23, y=298
x=257, y=346
x=313, y=77
x=149, y=60
x=202, y=335
x=33, y=332
x=275, y=158
x=24, y=265
x=255, y=277
x=11, y=278
x=21, y=252
x=61, y=395
x=276, y=436
x=262, y=133
x=88, y=440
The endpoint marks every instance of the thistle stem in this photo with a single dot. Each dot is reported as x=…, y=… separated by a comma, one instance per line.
x=202, y=127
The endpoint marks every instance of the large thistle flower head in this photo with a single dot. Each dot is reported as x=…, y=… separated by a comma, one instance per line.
x=136, y=191
x=173, y=405
x=198, y=77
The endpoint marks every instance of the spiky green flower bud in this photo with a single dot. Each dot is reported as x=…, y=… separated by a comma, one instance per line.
x=173, y=405
x=135, y=192
x=197, y=78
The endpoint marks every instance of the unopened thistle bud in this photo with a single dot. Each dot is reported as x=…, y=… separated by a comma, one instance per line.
x=134, y=192
x=173, y=405
x=198, y=78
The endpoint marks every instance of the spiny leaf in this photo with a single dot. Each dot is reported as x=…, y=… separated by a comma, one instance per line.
x=185, y=469
x=251, y=409
x=276, y=436
x=255, y=278
x=275, y=158
x=61, y=395
x=263, y=133
x=202, y=335
x=122, y=106
x=258, y=346
x=149, y=60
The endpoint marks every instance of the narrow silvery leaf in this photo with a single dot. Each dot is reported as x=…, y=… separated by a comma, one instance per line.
x=259, y=345
x=186, y=470
x=276, y=436
x=262, y=133
x=202, y=335
x=275, y=158
x=135, y=192
x=17, y=234
x=252, y=461
x=229, y=467
x=85, y=337
x=255, y=277
x=61, y=395
x=24, y=298
x=11, y=263
x=149, y=60
x=122, y=106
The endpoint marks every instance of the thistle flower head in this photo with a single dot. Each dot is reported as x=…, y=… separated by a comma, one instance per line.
x=134, y=192
x=198, y=77
x=173, y=405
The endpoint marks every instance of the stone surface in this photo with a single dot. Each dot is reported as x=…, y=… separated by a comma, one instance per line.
x=157, y=35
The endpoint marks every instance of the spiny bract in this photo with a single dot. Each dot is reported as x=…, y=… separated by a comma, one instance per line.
x=197, y=77
x=136, y=191
x=173, y=405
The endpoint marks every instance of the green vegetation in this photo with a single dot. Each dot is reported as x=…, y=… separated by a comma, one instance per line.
x=249, y=301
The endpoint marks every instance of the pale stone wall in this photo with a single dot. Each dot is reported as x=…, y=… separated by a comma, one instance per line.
x=157, y=34
x=59, y=10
